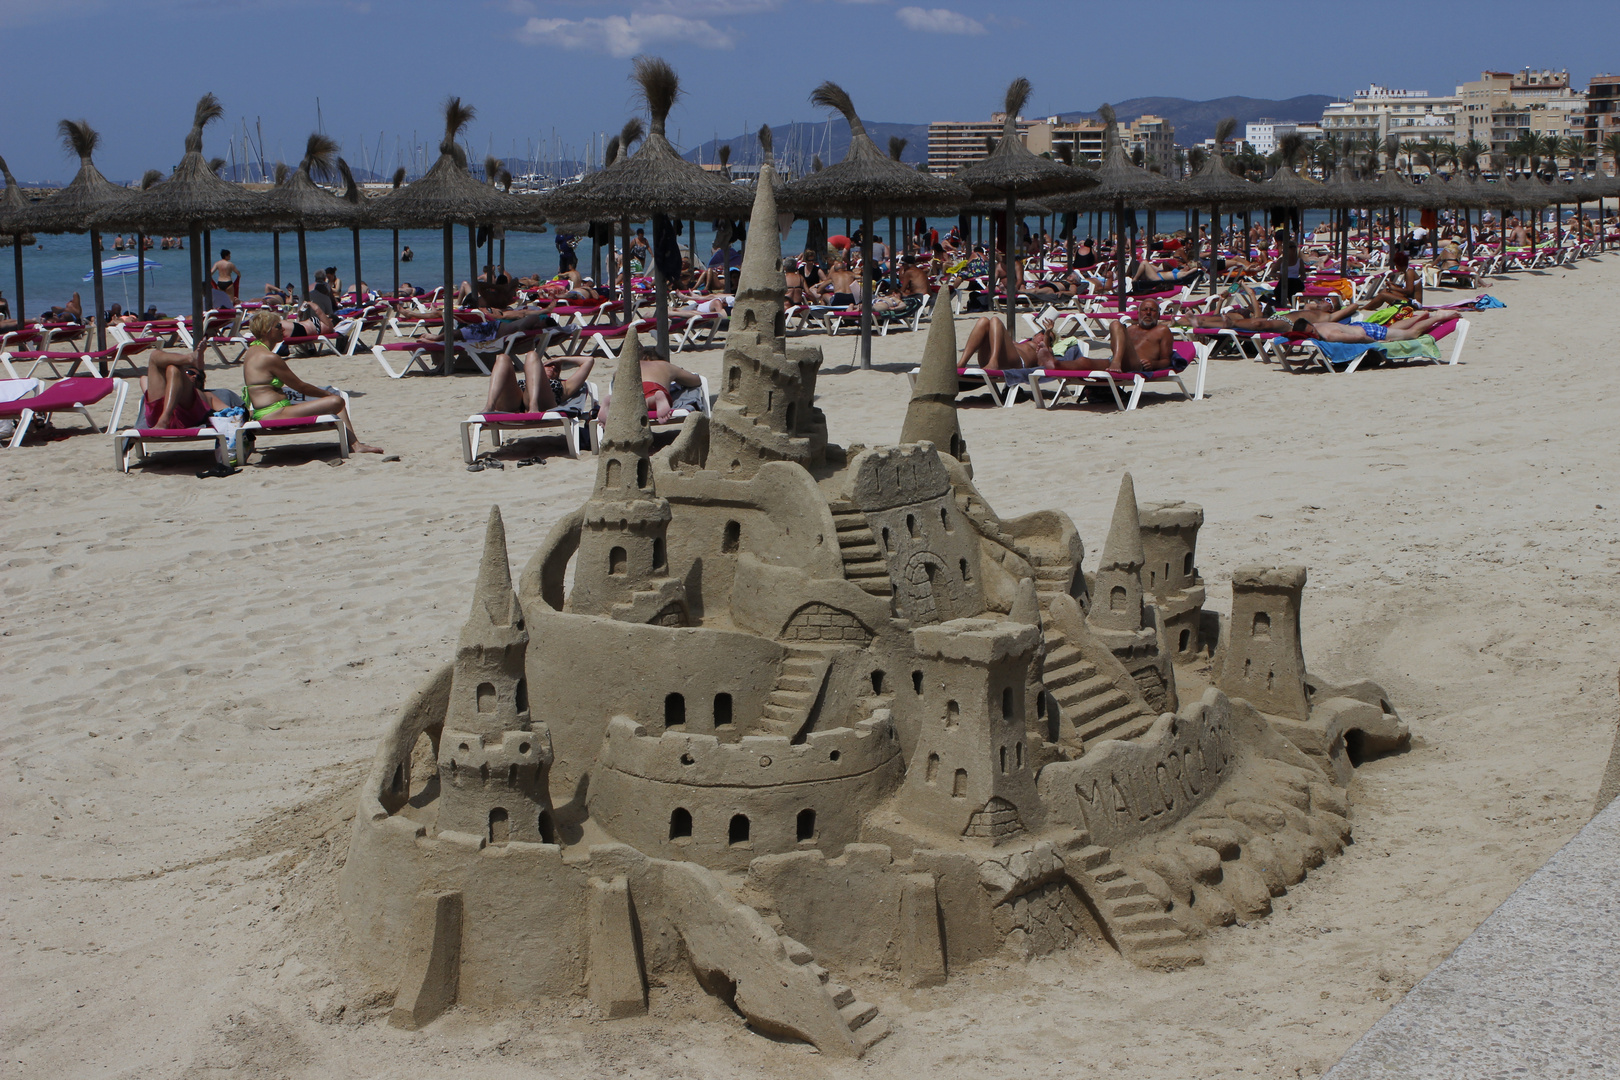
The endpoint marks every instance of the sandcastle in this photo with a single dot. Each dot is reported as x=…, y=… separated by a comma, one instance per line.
x=810, y=716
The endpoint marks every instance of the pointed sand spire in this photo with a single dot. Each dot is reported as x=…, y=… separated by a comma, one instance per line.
x=1123, y=549
x=762, y=258
x=493, y=594
x=932, y=412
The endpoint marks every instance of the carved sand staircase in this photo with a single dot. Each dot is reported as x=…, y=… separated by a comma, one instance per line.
x=865, y=1026
x=1087, y=698
x=1136, y=922
x=798, y=685
x=864, y=561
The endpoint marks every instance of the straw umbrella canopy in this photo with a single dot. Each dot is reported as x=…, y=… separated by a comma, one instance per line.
x=1461, y=191
x=1215, y=185
x=655, y=182
x=447, y=195
x=192, y=199
x=300, y=202
x=1394, y=191
x=74, y=208
x=868, y=183
x=1119, y=184
x=14, y=207
x=1011, y=170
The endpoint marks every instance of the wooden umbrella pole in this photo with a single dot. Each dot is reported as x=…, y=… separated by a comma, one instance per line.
x=359, y=297
x=1214, y=241
x=1007, y=272
x=101, y=307
x=275, y=260
x=17, y=269
x=472, y=259
x=396, y=264
x=140, y=275
x=661, y=293
x=303, y=265
x=447, y=362
x=195, y=256
x=1120, y=259
x=624, y=271
x=866, y=288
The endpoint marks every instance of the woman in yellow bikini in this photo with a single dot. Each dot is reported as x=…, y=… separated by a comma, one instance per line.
x=266, y=379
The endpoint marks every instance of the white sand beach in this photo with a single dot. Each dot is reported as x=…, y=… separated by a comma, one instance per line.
x=197, y=671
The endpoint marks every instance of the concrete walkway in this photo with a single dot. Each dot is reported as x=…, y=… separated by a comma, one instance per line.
x=1534, y=992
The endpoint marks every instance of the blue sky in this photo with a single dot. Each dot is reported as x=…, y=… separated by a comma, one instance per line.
x=134, y=68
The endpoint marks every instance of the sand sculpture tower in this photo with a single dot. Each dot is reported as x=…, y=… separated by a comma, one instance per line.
x=493, y=761
x=1262, y=660
x=623, y=568
x=1170, y=570
x=766, y=410
x=1119, y=617
x=932, y=412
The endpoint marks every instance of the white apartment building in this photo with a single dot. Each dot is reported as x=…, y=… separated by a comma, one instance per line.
x=1405, y=114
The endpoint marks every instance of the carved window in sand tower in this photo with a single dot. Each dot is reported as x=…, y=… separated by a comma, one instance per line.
x=929, y=589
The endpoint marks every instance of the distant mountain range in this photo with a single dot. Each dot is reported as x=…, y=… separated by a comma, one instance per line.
x=1194, y=122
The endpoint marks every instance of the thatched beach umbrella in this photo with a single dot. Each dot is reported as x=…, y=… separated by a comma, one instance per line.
x=192, y=199
x=447, y=195
x=1397, y=193
x=74, y=208
x=655, y=182
x=14, y=208
x=1009, y=171
x=1214, y=185
x=1119, y=184
x=302, y=203
x=866, y=183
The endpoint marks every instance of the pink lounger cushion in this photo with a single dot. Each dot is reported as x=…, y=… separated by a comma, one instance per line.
x=171, y=432
x=62, y=394
x=520, y=417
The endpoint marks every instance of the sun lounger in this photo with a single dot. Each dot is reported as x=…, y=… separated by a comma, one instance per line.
x=65, y=395
x=108, y=360
x=279, y=426
x=137, y=443
x=572, y=421
x=418, y=354
x=1116, y=381
x=677, y=416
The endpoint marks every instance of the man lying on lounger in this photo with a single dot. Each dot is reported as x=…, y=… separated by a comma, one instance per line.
x=173, y=390
x=498, y=324
x=1145, y=346
x=1336, y=327
x=267, y=380
x=540, y=388
x=1255, y=319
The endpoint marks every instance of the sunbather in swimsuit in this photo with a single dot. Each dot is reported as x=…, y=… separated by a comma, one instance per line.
x=263, y=370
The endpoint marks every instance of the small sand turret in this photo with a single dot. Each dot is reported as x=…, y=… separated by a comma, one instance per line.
x=492, y=760
x=623, y=566
x=1119, y=617
x=932, y=415
x=766, y=410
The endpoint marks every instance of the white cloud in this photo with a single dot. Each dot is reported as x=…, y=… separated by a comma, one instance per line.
x=699, y=8
x=938, y=21
x=623, y=35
